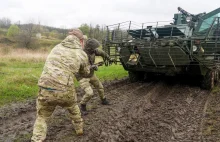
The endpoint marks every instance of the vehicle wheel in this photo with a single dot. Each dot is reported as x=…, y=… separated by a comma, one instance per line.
x=208, y=80
x=135, y=76
x=216, y=76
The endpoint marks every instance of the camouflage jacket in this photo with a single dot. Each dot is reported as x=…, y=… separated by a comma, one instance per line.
x=98, y=52
x=65, y=60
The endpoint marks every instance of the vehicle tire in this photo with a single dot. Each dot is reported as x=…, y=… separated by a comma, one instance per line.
x=135, y=76
x=209, y=80
x=216, y=76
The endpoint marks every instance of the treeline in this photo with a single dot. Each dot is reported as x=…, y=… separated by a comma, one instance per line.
x=5, y=22
x=98, y=32
x=26, y=34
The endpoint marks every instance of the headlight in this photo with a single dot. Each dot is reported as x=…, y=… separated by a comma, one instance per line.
x=194, y=48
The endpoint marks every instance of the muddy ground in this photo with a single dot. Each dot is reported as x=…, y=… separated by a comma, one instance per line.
x=162, y=110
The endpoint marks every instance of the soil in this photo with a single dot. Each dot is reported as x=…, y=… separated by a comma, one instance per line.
x=167, y=109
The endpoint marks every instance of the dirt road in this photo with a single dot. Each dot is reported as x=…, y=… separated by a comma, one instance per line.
x=155, y=111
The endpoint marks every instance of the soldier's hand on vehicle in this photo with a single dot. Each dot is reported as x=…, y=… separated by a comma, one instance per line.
x=94, y=67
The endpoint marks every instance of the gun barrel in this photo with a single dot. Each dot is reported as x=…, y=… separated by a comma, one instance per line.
x=184, y=12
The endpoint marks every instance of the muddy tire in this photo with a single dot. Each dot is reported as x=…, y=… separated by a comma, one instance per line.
x=135, y=76
x=216, y=76
x=209, y=80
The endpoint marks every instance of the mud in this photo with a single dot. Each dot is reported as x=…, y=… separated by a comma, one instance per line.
x=160, y=110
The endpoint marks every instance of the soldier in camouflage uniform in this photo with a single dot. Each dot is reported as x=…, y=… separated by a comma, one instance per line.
x=57, y=86
x=91, y=48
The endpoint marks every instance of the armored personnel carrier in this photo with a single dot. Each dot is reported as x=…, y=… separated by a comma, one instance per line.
x=189, y=44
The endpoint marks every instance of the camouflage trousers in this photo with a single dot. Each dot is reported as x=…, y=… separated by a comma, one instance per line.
x=86, y=83
x=46, y=104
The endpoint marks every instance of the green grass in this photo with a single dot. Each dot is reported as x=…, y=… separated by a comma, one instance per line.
x=111, y=72
x=18, y=79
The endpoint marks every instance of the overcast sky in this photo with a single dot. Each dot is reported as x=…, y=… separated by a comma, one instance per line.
x=72, y=13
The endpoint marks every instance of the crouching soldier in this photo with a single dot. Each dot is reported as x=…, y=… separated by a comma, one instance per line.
x=91, y=48
x=56, y=85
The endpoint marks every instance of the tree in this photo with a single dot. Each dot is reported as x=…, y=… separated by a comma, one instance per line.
x=54, y=34
x=85, y=29
x=13, y=31
x=96, y=33
x=27, y=35
x=63, y=32
x=47, y=34
x=5, y=22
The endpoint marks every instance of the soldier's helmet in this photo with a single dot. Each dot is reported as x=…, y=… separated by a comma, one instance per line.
x=91, y=44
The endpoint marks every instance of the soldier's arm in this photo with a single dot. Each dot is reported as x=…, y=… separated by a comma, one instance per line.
x=99, y=52
x=84, y=70
x=84, y=66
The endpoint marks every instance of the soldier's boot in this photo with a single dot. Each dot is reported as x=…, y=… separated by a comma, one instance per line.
x=83, y=109
x=79, y=128
x=79, y=132
x=105, y=101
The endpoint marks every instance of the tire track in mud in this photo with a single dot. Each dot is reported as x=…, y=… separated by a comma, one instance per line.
x=99, y=118
x=178, y=117
x=210, y=127
x=16, y=119
x=159, y=110
x=105, y=116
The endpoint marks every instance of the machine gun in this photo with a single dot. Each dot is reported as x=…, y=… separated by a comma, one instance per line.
x=192, y=18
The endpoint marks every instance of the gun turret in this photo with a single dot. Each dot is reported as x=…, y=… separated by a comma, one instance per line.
x=192, y=17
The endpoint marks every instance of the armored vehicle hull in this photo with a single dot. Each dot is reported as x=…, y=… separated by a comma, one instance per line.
x=147, y=49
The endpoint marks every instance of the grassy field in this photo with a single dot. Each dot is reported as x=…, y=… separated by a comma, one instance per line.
x=20, y=70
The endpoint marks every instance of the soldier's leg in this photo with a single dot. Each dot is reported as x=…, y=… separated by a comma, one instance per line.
x=40, y=126
x=75, y=114
x=85, y=85
x=98, y=85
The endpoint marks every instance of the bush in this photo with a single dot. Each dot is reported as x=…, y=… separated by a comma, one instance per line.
x=13, y=31
x=54, y=34
x=3, y=31
x=27, y=38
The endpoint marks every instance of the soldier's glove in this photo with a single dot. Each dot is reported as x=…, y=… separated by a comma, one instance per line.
x=94, y=67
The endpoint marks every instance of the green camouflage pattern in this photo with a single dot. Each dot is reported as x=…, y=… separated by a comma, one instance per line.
x=91, y=56
x=86, y=83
